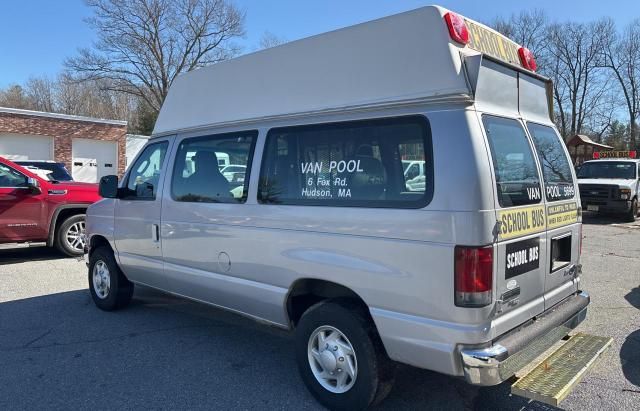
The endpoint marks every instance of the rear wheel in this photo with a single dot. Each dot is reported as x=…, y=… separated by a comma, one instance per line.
x=69, y=237
x=110, y=289
x=341, y=358
x=633, y=211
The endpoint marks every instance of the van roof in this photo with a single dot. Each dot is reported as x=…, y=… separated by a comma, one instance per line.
x=400, y=59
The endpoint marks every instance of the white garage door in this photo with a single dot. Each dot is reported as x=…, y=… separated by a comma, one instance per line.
x=93, y=159
x=26, y=147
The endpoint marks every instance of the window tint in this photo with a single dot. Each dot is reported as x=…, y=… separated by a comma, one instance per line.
x=517, y=177
x=556, y=169
x=144, y=176
x=10, y=178
x=607, y=169
x=197, y=176
x=349, y=164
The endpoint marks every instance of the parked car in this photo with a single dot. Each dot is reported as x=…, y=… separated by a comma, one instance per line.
x=58, y=171
x=234, y=173
x=46, y=174
x=611, y=185
x=34, y=209
x=474, y=274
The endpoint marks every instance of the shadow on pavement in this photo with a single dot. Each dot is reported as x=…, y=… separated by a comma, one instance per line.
x=630, y=350
x=601, y=219
x=59, y=351
x=633, y=297
x=24, y=254
x=630, y=358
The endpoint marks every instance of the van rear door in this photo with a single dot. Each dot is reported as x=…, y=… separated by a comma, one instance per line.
x=563, y=230
x=521, y=238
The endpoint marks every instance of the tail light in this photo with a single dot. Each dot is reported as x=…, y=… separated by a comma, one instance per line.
x=527, y=59
x=457, y=28
x=473, y=276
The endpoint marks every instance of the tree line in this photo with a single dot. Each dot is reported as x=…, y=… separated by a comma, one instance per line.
x=143, y=45
x=595, y=68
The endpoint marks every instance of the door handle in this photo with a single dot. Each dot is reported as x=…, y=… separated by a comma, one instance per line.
x=155, y=232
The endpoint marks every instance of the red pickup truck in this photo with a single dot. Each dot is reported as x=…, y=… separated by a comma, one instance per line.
x=33, y=209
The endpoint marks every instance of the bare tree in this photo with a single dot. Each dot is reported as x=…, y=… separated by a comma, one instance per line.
x=529, y=29
x=40, y=91
x=143, y=45
x=579, y=84
x=15, y=96
x=94, y=98
x=269, y=40
x=621, y=54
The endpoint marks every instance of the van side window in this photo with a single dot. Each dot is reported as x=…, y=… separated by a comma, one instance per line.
x=517, y=178
x=200, y=176
x=556, y=169
x=143, y=179
x=372, y=163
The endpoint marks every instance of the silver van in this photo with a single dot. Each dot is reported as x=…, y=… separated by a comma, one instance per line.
x=475, y=273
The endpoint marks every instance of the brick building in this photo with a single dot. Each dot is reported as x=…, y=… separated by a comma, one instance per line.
x=89, y=147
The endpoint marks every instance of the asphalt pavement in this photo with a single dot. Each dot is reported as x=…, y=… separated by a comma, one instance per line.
x=58, y=351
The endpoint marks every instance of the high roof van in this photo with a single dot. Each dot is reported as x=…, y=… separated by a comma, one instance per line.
x=474, y=272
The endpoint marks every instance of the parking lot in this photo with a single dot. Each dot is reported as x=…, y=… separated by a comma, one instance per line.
x=58, y=351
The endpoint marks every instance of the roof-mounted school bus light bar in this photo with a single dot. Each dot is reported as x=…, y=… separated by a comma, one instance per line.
x=459, y=33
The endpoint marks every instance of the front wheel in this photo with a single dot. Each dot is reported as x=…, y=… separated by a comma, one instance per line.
x=341, y=358
x=69, y=237
x=110, y=289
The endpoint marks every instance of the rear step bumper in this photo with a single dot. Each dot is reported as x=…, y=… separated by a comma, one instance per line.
x=513, y=351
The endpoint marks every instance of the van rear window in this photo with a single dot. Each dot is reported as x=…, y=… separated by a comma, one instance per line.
x=553, y=159
x=373, y=163
x=517, y=179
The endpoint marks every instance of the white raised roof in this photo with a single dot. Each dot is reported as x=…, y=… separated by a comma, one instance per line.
x=401, y=58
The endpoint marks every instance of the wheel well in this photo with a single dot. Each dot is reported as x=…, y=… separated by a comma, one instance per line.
x=307, y=292
x=99, y=241
x=69, y=212
x=62, y=215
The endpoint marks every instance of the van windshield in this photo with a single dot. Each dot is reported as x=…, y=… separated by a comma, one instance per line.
x=517, y=178
x=608, y=169
x=556, y=169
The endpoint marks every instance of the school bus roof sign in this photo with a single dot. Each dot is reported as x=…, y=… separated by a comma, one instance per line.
x=614, y=154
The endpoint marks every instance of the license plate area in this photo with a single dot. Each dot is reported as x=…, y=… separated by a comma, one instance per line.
x=560, y=252
x=593, y=208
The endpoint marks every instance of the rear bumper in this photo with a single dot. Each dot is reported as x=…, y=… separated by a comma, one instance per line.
x=508, y=354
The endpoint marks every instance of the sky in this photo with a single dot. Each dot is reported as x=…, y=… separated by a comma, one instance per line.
x=37, y=35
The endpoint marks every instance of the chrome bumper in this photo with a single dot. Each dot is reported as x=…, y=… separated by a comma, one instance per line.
x=509, y=354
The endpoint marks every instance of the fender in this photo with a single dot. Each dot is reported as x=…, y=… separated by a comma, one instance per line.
x=54, y=218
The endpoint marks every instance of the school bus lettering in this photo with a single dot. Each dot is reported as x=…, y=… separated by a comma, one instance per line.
x=521, y=221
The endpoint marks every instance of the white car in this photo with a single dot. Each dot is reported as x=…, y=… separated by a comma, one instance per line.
x=234, y=173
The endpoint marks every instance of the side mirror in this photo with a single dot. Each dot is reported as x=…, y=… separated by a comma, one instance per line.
x=108, y=187
x=34, y=185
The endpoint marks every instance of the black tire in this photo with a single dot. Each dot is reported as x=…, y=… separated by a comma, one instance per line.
x=375, y=371
x=633, y=211
x=120, y=289
x=63, y=229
